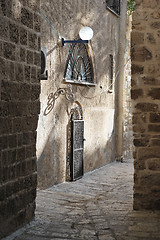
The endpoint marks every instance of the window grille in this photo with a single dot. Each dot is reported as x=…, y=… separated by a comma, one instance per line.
x=79, y=66
x=114, y=6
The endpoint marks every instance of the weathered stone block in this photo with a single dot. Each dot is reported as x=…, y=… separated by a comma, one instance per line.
x=35, y=107
x=37, y=58
x=25, y=92
x=17, y=125
x=35, y=5
x=145, y=201
x=29, y=57
x=149, y=179
x=148, y=153
x=5, y=174
x=27, y=18
x=19, y=139
x=150, y=80
x=4, y=29
x=12, y=156
x=153, y=128
x=136, y=93
x=4, y=156
x=9, y=51
x=12, y=173
x=2, y=193
x=29, y=123
x=37, y=23
x=32, y=40
x=155, y=14
x=22, y=54
x=2, y=69
x=6, y=7
x=23, y=36
x=12, y=71
x=21, y=217
x=155, y=142
x=19, y=72
x=150, y=38
x=141, y=54
x=155, y=25
x=141, y=142
x=3, y=142
x=27, y=73
x=155, y=117
x=4, y=109
x=139, y=165
x=12, y=141
x=146, y=107
x=137, y=37
x=14, y=33
x=35, y=92
x=154, y=93
x=34, y=77
x=29, y=152
x=5, y=126
x=150, y=4
x=154, y=164
x=139, y=128
x=137, y=69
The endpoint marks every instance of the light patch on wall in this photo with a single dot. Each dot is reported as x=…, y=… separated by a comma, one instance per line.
x=17, y=6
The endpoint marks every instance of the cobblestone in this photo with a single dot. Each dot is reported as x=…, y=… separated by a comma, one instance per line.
x=99, y=206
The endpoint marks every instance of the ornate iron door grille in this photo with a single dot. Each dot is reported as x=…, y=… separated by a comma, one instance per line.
x=77, y=149
x=77, y=143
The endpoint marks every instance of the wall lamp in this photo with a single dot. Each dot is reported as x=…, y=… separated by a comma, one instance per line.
x=86, y=34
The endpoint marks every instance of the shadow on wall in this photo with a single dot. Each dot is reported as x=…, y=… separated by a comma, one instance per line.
x=52, y=170
x=100, y=156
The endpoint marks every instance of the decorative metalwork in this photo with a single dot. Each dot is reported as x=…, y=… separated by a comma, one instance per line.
x=79, y=67
x=114, y=6
x=75, y=146
x=67, y=92
x=77, y=149
x=76, y=113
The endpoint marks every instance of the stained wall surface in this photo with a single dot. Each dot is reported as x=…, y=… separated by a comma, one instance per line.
x=145, y=98
x=19, y=109
x=97, y=103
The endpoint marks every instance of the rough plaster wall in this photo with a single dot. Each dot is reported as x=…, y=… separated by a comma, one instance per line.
x=127, y=112
x=19, y=109
x=145, y=98
x=68, y=17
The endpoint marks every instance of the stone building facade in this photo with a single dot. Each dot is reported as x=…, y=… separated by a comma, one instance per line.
x=145, y=94
x=19, y=109
x=100, y=104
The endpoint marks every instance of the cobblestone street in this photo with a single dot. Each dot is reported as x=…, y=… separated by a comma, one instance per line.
x=98, y=207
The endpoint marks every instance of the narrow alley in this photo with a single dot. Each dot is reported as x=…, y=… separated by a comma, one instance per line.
x=98, y=206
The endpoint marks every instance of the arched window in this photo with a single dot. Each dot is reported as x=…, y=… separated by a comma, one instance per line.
x=114, y=6
x=79, y=67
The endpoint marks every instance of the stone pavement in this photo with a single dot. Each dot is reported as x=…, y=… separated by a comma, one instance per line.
x=96, y=207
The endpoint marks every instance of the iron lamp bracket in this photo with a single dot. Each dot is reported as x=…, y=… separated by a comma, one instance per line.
x=74, y=41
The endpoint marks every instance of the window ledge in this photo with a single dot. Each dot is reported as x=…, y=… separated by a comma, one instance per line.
x=79, y=82
x=112, y=11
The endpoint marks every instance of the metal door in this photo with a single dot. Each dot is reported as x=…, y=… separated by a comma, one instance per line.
x=77, y=149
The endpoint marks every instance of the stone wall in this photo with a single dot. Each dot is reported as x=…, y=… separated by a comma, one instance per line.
x=19, y=109
x=97, y=103
x=145, y=98
x=127, y=113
